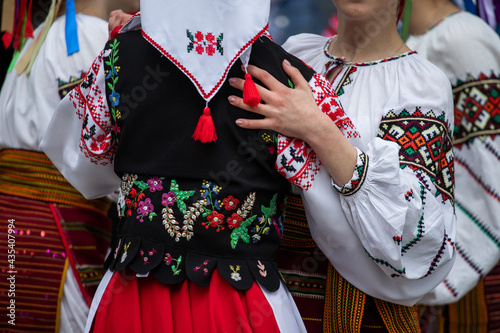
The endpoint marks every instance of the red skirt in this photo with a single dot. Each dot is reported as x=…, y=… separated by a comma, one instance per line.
x=143, y=304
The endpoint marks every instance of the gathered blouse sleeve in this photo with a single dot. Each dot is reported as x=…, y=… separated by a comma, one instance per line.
x=399, y=201
x=390, y=231
x=80, y=140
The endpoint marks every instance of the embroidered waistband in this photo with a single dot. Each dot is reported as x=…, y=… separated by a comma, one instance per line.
x=32, y=175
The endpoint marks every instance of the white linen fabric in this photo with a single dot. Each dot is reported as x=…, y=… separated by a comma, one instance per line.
x=468, y=51
x=192, y=35
x=390, y=231
x=28, y=103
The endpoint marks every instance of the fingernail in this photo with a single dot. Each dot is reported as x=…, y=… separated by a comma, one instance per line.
x=232, y=80
x=239, y=122
x=231, y=99
x=287, y=63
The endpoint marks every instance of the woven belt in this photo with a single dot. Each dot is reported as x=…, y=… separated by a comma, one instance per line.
x=32, y=175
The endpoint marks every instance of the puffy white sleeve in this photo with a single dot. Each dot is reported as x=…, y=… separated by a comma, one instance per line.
x=391, y=230
x=80, y=140
x=400, y=199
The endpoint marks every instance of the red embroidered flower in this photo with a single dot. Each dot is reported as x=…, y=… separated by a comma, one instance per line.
x=230, y=202
x=133, y=193
x=325, y=107
x=98, y=144
x=215, y=219
x=128, y=202
x=211, y=42
x=199, y=42
x=234, y=221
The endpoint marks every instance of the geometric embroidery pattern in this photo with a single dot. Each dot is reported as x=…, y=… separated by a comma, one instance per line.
x=358, y=177
x=425, y=145
x=296, y=160
x=91, y=107
x=477, y=109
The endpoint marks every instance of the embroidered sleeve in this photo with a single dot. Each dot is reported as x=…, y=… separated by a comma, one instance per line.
x=477, y=195
x=404, y=212
x=91, y=107
x=358, y=176
x=296, y=160
x=79, y=139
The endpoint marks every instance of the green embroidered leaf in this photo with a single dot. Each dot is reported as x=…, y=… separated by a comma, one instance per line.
x=271, y=210
x=142, y=185
x=241, y=232
x=108, y=63
x=111, y=86
x=180, y=196
x=290, y=83
x=152, y=215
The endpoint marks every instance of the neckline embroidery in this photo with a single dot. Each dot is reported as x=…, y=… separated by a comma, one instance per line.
x=340, y=61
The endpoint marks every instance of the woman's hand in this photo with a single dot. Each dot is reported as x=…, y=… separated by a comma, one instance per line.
x=117, y=18
x=293, y=112
x=290, y=111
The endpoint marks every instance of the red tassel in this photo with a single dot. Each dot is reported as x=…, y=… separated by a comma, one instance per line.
x=205, y=130
x=251, y=96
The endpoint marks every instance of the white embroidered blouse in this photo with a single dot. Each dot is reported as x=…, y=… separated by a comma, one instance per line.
x=468, y=51
x=391, y=230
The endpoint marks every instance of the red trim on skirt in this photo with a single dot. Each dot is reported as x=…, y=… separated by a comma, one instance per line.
x=132, y=304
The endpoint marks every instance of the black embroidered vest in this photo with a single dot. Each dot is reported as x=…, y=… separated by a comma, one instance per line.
x=187, y=207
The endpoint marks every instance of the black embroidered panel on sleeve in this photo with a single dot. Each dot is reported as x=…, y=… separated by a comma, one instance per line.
x=425, y=145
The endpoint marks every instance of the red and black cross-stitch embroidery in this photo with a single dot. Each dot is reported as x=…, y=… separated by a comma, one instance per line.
x=425, y=145
x=477, y=109
x=96, y=140
x=204, y=43
x=296, y=160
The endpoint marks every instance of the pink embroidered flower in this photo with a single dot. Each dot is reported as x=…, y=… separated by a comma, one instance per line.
x=155, y=184
x=145, y=207
x=215, y=219
x=234, y=221
x=168, y=259
x=168, y=199
x=230, y=202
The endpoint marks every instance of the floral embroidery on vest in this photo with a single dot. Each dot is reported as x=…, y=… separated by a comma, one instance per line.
x=210, y=212
x=175, y=267
x=235, y=275
x=111, y=80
